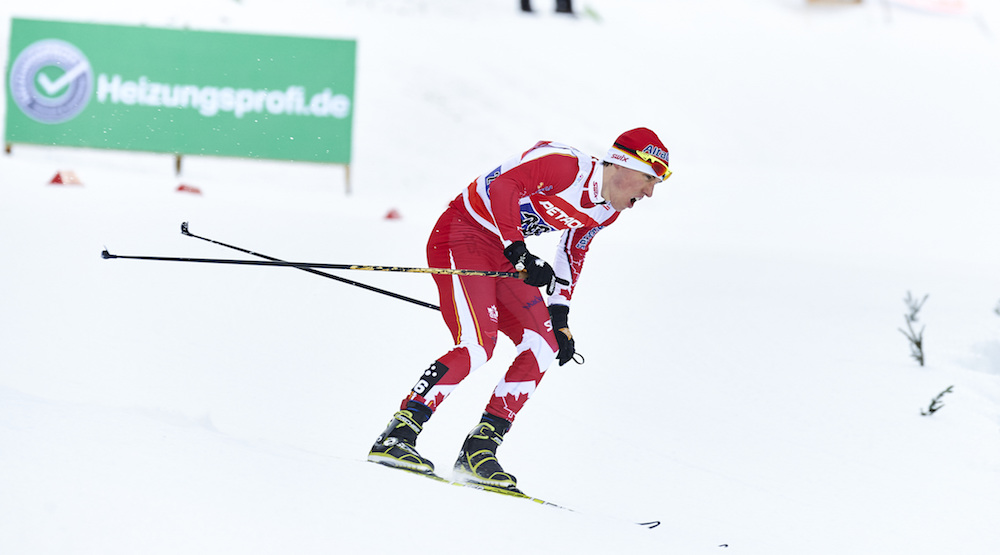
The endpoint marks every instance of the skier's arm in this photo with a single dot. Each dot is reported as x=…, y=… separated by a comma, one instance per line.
x=572, y=250
x=506, y=192
x=546, y=175
x=569, y=259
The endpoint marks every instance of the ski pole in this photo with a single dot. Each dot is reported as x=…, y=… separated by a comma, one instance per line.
x=186, y=231
x=369, y=268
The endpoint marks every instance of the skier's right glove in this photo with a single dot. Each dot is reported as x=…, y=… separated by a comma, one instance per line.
x=559, y=316
x=537, y=272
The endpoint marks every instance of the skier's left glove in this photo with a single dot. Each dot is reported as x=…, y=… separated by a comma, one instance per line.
x=559, y=315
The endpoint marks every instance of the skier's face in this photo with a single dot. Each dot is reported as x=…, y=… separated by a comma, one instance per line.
x=623, y=187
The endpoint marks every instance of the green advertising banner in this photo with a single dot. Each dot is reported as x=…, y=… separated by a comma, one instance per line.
x=181, y=92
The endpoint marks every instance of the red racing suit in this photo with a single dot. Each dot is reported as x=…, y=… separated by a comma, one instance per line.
x=549, y=187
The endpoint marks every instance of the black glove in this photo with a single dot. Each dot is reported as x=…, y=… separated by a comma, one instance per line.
x=539, y=273
x=559, y=314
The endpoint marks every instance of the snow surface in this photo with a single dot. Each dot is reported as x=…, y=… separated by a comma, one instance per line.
x=745, y=383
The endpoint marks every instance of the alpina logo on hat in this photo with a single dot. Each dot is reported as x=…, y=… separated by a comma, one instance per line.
x=51, y=81
x=640, y=150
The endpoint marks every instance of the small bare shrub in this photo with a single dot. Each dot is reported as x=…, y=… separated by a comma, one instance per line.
x=914, y=306
x=936, y=403
x=916, y=339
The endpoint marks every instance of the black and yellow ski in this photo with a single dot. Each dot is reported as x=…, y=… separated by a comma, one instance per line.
x=510, y=492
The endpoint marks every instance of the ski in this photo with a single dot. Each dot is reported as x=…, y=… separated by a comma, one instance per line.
x=512, y=492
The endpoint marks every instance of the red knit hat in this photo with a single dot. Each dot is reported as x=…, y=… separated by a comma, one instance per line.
x=641, y=150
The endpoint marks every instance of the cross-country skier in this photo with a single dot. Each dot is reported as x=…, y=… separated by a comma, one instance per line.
x=549, y=187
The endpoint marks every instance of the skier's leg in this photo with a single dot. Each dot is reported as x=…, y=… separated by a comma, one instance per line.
x=525, y=319
x=468, y=305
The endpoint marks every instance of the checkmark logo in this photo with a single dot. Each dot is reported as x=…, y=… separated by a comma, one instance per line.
x=52, y=87
x=38, y=95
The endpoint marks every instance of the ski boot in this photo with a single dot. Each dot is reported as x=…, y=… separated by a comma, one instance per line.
x=396, y=446
x=478, y=462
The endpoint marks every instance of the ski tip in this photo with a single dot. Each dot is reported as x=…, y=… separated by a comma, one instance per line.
x=652, y=524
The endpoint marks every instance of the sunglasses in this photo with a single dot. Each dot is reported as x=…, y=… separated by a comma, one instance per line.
x=660, y=168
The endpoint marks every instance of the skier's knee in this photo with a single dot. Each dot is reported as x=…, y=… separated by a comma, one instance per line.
x=544, y=354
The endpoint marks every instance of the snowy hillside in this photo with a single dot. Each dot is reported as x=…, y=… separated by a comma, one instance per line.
x=745, y=380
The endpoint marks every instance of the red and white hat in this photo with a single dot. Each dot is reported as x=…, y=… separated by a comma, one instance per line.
x=640, y=150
